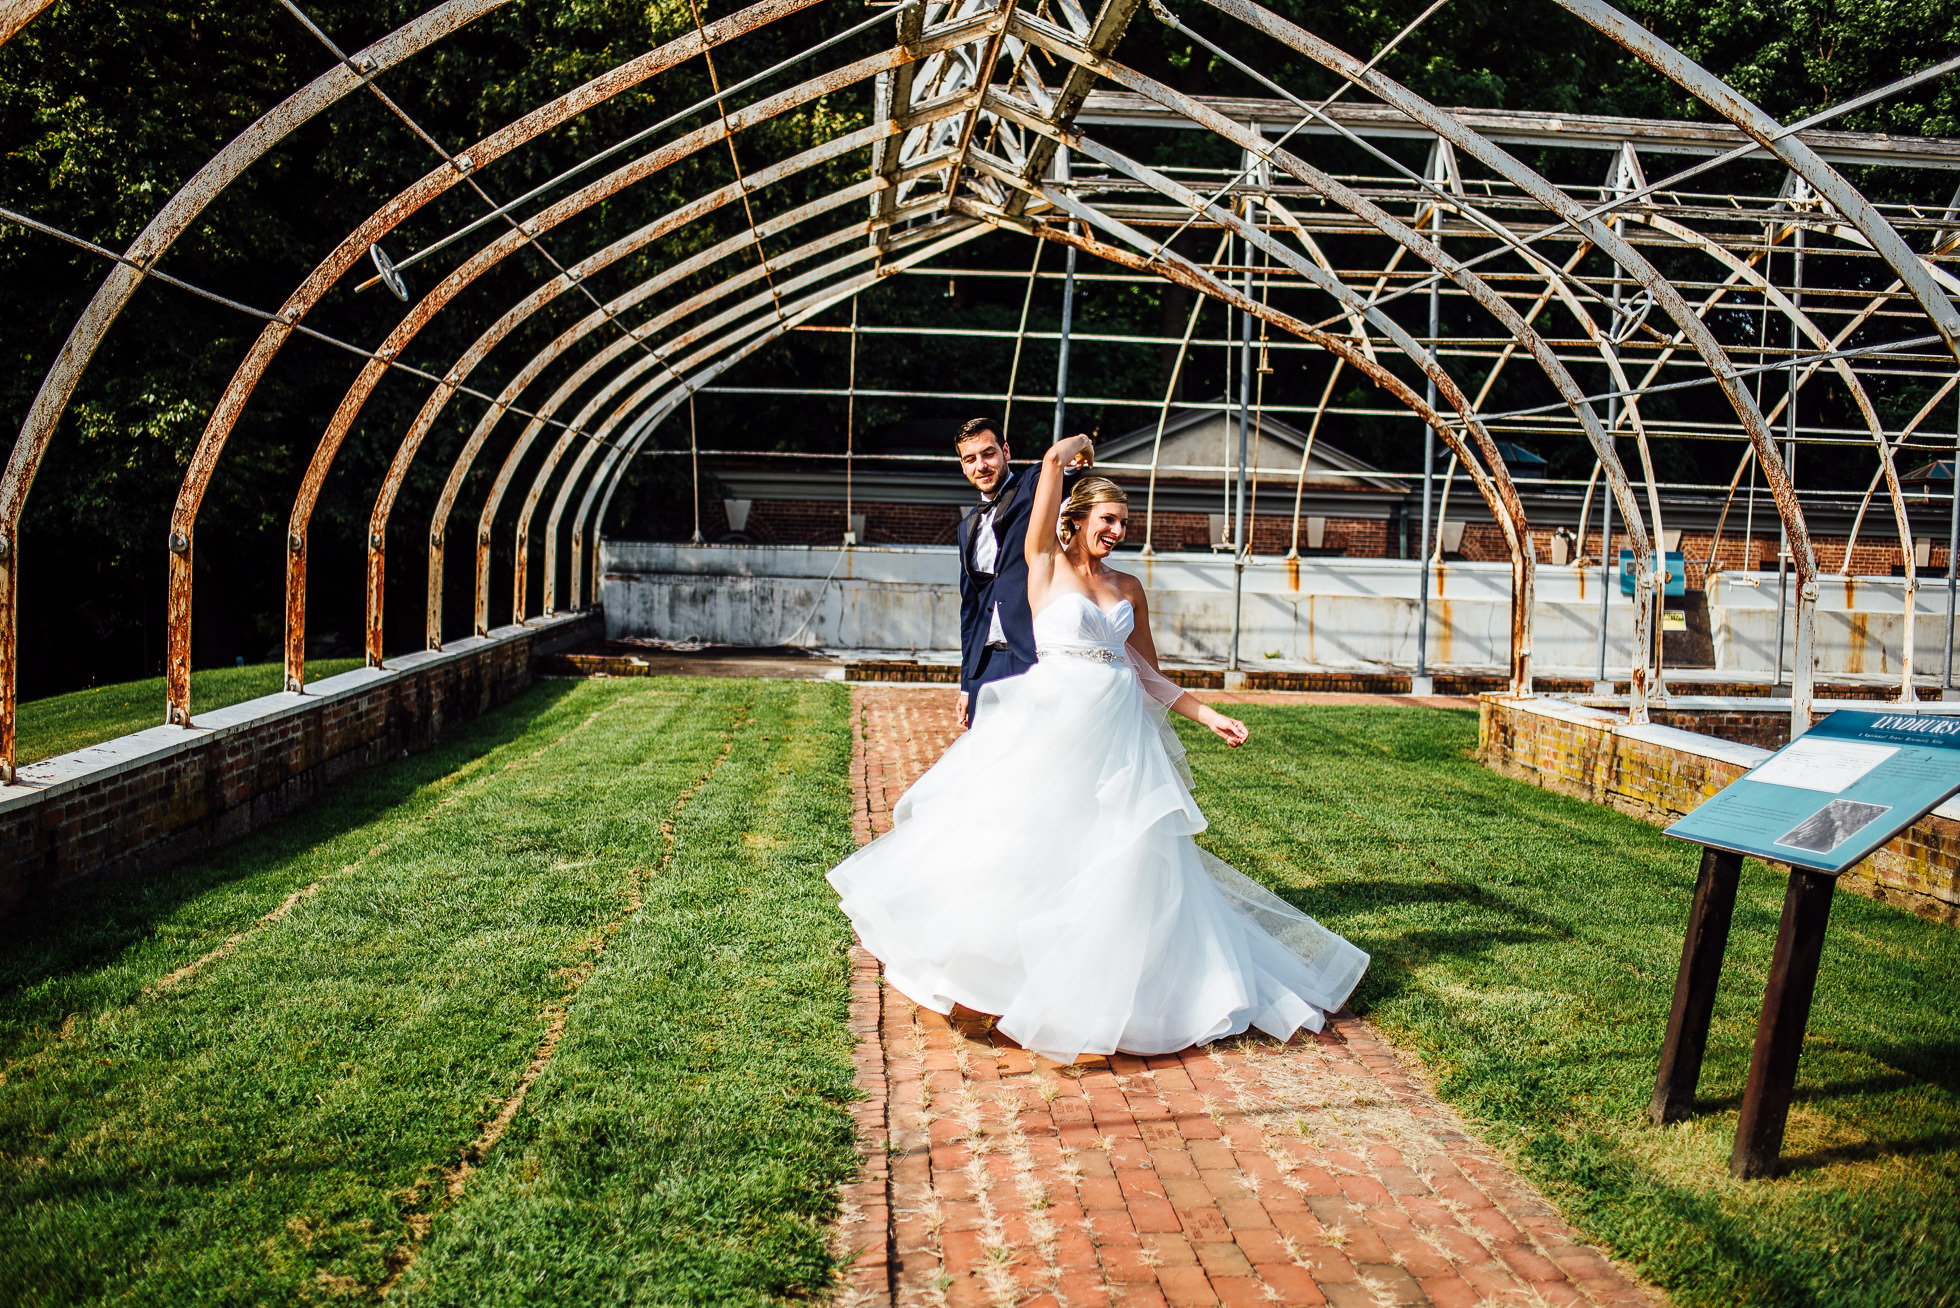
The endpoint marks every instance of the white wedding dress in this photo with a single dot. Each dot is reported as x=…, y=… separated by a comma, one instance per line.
x=1043, y=870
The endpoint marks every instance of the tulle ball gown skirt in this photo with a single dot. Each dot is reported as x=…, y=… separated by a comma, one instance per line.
x=1043, y=870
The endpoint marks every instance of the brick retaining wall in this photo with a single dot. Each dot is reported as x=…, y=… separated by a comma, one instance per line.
x=154, y=797
x=1658, y=773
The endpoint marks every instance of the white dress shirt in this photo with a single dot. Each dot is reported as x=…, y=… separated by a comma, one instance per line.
x=986, y=551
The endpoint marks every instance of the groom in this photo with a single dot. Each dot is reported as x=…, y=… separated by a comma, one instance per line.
x=996, y=627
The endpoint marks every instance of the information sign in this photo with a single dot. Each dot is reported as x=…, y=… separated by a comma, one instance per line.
x=1836, y=793
x=1674, y=563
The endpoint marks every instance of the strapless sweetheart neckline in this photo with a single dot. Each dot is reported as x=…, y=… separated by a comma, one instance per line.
x=1090, y=601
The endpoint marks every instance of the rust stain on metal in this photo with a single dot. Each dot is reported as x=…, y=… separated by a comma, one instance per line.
x=399, y=208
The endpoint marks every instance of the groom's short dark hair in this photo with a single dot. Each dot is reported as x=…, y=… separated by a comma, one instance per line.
x=978, y=427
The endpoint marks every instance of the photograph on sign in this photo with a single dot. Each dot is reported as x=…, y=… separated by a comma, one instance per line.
x=1832, y=825
x=1836, y=793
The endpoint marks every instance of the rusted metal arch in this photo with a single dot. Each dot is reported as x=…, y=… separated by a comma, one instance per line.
x=466, y=457
x=771, y=307
x=1425, y=249
x=16, y=14
x=694, y=209
x=934, y=232
x=327, y=274
x=1603, y=237
x=612, y=471
x=1180, y=271
x=1746, y=271
x=509, y=242
x=1823, y=179
x=508, y=469
x=1505, y=506
x=1174, y=267
x=1496, y=485
x=815, y=304
x=150, y=245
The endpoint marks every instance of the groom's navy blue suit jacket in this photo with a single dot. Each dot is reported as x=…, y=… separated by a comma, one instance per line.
x=1008, y=587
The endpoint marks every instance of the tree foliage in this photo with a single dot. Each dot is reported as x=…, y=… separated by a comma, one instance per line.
x=105, y=110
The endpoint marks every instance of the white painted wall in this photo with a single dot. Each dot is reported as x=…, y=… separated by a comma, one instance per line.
x=1329, y=613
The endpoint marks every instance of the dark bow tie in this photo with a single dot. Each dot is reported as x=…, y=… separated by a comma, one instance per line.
x=989, y=505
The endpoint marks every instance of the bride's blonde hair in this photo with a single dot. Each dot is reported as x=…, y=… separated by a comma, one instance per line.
x=1088, y=493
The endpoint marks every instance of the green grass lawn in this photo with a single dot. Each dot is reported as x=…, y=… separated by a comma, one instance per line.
x=640, y=860
x=1525, y=946
x=60, y=724
x=271, y=1075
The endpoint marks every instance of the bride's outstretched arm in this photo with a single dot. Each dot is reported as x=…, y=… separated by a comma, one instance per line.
x=1161, y=688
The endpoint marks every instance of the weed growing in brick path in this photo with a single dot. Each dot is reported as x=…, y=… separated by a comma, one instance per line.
x=59, y=724
x=1525, y=946
x=291, y=1120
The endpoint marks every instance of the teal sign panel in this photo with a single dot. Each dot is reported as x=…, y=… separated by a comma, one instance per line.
x=1675, y=566
x=1836, y=793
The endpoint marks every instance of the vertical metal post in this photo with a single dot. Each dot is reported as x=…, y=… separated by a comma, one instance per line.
x=1609, y=561
x=1068, y=311
x=1608, y=572
x=1952, y=556
x=850, y=422
x=1239, y=542
x=1790, y=454
x=1421, y=684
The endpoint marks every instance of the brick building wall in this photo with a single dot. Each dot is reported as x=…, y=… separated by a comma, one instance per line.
x=1658, y=773
x=155, y=797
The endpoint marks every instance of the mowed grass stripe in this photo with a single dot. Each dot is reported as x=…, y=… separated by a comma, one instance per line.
x=103, y=945
x=685, y=1142
x=257, y=1132
x=1525, y=945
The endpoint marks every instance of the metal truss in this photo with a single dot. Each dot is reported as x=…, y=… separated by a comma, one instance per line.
x=988, y=116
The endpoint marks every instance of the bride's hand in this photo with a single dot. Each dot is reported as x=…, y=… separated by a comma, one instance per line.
x=1230, y=730
x=1078, y=451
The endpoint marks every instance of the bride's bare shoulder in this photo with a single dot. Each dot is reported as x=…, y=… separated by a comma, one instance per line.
x=1132, y=588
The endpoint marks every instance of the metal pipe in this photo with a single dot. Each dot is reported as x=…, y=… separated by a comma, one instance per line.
x=1240, y=545
x=850, y=424
x=1428, y=471
x=1789, y=461
x=1952, y=562
x=1068, y=314
x=1608, y=566
x=1608, y=561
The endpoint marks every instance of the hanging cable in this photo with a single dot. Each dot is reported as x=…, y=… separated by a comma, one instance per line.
x=465, y=169
x=262, y=315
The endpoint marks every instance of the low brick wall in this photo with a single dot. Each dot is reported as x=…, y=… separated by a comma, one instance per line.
x=152, y=798
x=1658, y=773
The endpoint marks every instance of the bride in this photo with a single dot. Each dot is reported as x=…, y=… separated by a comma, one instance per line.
x=1043, y=870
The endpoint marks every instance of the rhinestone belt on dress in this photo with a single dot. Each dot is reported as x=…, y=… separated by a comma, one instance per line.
x=1094, y=653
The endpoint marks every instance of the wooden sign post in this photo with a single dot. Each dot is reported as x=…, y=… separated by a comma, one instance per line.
x=1820, y=804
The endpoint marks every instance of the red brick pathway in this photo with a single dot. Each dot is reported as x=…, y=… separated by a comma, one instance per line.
x=1247, y=1172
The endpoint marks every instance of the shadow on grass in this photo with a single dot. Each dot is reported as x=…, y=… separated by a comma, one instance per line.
x=77, y=928
x=1871, y=1151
